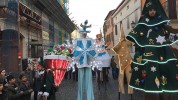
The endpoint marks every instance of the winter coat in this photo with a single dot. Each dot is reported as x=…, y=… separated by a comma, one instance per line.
x=13, y=92
x=25, y=87
x=3, y=95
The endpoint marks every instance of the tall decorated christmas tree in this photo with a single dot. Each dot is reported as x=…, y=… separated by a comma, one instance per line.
x=154, y=67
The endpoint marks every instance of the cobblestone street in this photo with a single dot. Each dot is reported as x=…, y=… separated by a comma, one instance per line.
x=68, y=91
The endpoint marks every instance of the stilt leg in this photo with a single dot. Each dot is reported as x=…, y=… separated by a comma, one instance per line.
x=119, y=95
x=131, y=96
x=98, y=80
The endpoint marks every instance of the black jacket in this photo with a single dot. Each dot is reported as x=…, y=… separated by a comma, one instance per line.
x=13, y=92
x=25, y=87
x=3, y=96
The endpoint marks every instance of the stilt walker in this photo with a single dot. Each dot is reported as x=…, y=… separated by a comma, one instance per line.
x=123, y=59
x=103, y=57
x=154, y=67
x=83, y=55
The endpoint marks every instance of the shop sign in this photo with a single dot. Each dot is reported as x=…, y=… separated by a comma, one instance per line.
x=45, y=35
x=27, y=12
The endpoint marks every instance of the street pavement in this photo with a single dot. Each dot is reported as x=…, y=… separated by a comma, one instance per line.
x=68, y=91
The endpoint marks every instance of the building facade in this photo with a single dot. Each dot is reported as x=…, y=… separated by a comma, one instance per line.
x=28, y=27
x=129, y=11
x=108, y=30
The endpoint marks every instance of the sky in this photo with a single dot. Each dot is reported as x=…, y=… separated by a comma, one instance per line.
x=95, y=11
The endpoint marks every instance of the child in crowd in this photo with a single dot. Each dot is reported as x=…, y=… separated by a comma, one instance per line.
x=3, y=94
x=25, y=87
x=3, y=74
x=12, y=89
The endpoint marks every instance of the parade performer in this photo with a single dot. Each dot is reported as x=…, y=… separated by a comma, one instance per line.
x=48, y=88
x=83, y=54
x=103, y=57
x=56, y=60
x=124, y=60
x=154, y=66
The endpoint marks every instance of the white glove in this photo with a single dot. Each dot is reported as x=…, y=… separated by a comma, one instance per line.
x=46, y=94
x=40, y=93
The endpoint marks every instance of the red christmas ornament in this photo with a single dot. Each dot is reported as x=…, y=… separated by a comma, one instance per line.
x=177, y=77
x=161, y=58
x=144, y=74
x=62, y=47
x=70, y=50
x=166, y=32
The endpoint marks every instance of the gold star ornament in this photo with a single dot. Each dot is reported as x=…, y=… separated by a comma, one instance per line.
x=139, y=59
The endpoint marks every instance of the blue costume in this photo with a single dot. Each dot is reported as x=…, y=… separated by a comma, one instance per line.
x=83, y=54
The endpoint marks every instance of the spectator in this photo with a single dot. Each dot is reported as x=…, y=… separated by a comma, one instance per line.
x=25, y=87
x=38, y=81
x=3, y=94
x=114, y=68
x=29, y=73
x=12, y=89
x=3, y=74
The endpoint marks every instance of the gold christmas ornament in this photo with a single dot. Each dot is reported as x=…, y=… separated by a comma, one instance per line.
x=137, y=82
x=148, y=4
x=141, y=34
x=133, y=32
x=151, y=41
x=164, y=80
x=148, y=54
x=157, y=82
x=139, y=59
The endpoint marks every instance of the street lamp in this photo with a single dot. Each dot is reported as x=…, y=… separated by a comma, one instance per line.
x=133, y=24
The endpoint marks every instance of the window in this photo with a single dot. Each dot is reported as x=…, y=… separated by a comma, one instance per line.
x=115, y=29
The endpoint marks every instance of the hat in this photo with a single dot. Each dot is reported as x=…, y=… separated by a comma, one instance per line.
x=160, y=16
x=42, y=63
x=10, y=77
x=99, y=36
